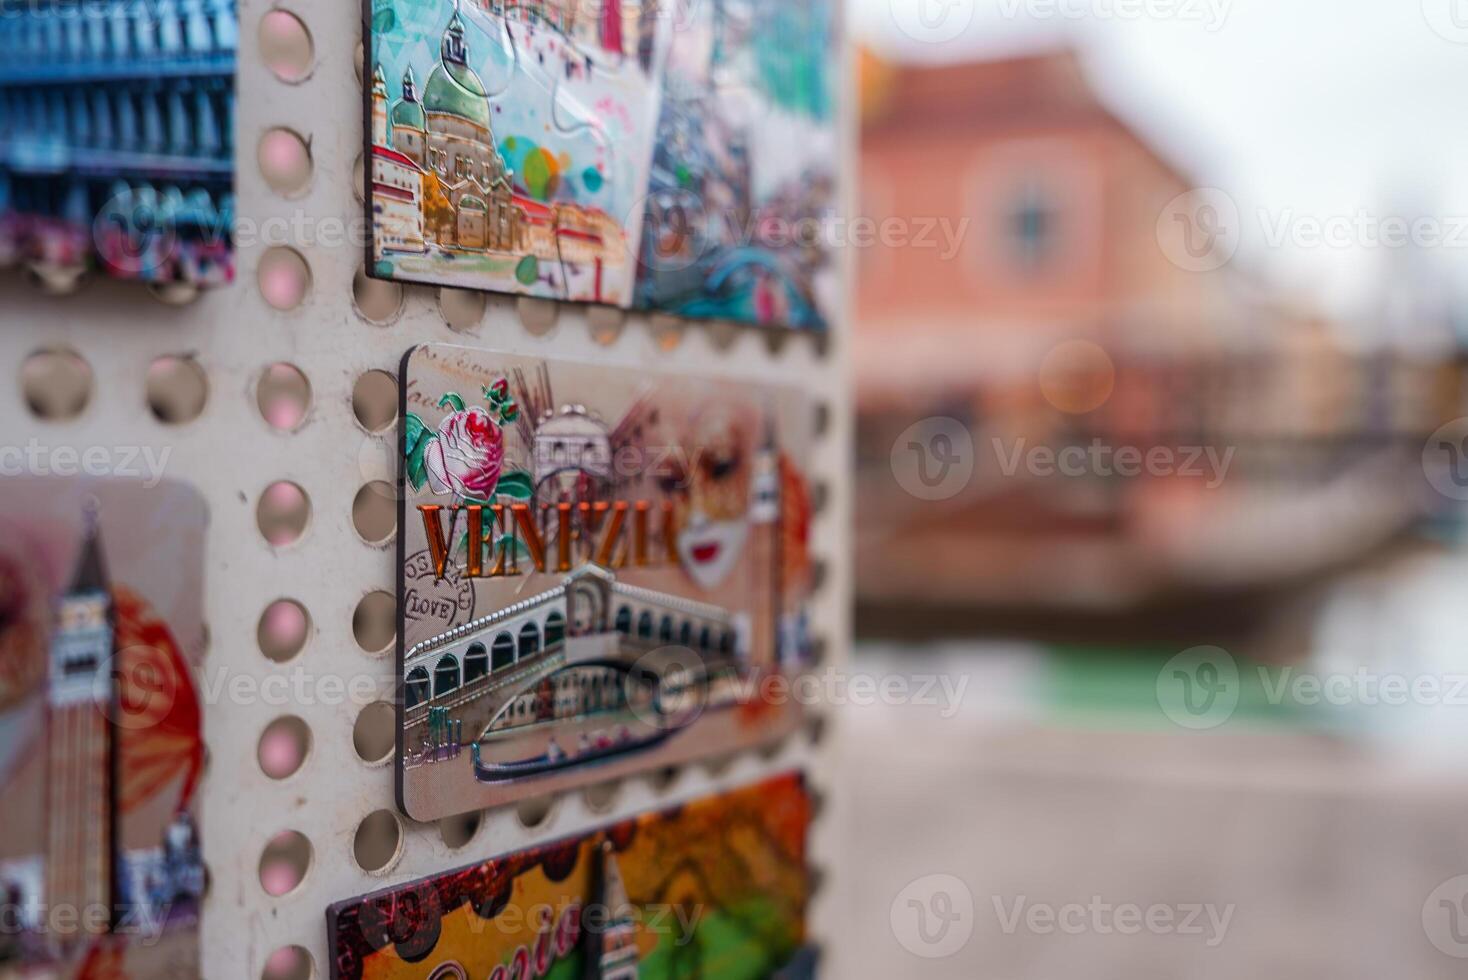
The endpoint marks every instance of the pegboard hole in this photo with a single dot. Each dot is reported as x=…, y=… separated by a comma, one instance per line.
x=820, y=496
x=177, y=389
x=375, y=512
x=667, y=332
x=174, y=293
x=283, y=513
x=284, y=396
x=722, y=334
x=289, y=963
x=377, y=301
x=374, y=735
x=375, y=400
x=663, y=779
x=286, y=46
x=821, y=341
x=606, y=323
x=359, y=178
x=285, y=161
x=534, y=812
x=819, y=572
x=283, y=747
x=822, y=421
x=373, y=622
x=457, y=831
x=772, y=751
x=379, y=836
x=461, y=309
x=284, y=278
x=601, y=797
x=285, y=863
x=283, y=628
x=57, y=383
x=537, y=315
x=57, y=279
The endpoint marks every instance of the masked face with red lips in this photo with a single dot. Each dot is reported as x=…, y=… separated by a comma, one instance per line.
x=711, y=492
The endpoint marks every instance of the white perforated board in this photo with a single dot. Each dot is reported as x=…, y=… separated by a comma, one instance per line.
x=231, y=454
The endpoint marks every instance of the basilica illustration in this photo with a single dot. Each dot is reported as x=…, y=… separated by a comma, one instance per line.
x=436, y=150
x=441, y=186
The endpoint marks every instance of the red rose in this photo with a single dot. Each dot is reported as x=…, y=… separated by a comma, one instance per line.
x=466, y=457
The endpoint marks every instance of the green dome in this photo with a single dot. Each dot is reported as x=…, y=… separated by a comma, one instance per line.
x=455, y=89
x=408, y=115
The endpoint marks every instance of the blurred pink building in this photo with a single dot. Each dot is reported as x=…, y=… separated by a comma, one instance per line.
x=1017, y=214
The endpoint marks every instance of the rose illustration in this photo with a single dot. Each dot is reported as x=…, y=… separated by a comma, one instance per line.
x=466, y=457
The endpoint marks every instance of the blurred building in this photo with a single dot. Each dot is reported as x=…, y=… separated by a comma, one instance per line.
x=1029, y=281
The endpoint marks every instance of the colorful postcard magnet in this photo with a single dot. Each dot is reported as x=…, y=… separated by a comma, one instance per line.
x=715, y=889
x=118, y=145
x=669, y=155
x=101, y=631
x=601, y=572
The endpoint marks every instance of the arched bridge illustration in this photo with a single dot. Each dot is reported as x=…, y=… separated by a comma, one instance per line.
x=562, y=677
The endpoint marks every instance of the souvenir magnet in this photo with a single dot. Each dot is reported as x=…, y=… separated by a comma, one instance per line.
x=119, y=139
x=714, y=889
x=602, y=571
x=676, y=157
x=101, y=629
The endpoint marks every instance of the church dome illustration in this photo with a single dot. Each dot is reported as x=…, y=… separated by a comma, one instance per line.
x=454, y=88
x=408, y=112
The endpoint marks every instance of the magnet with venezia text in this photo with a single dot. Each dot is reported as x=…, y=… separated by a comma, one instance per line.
x=602, y=571
x=716, y=889
x=101, y=747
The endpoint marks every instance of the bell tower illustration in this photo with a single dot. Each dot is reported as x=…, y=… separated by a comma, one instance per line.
x=764, y=543
x=611, y=945
x=79, y=742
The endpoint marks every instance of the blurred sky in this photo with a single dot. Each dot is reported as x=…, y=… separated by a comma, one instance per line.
x=1305, y=107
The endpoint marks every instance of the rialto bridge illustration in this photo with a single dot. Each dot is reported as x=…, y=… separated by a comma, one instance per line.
x=589, y=669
